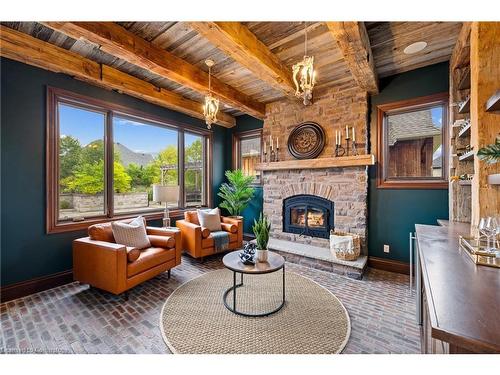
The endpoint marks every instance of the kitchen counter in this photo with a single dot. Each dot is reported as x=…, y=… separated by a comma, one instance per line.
x=462, y=300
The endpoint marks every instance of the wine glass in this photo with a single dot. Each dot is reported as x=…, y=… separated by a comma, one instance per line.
x=490, y=230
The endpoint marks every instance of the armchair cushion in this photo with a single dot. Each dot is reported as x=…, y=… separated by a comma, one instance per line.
x=150, y=258
x=131, y=234
x=133, y=254
x=210, y=219
x=161, y=241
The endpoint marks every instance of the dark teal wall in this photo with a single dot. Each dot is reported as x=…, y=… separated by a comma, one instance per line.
x=244, y=123
x=393, y=213
x=26, y=251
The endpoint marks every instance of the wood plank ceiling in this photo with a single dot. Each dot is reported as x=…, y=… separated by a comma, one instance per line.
x=283, y=39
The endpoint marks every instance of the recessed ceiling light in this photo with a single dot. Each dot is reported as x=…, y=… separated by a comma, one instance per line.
x=415, y=47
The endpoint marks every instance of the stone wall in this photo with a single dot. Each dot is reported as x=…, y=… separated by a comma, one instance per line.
x=333, y=109
x=95, y=202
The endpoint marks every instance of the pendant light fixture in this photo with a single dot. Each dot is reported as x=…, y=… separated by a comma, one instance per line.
x=211, y=106
x=304, y=75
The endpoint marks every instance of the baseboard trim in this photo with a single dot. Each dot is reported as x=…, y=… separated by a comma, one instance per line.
x=39, y=284
x=389, y=265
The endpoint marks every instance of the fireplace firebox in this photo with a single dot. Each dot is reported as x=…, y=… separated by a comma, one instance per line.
x=308, y=215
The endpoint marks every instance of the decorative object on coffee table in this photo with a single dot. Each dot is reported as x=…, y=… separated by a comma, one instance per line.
x=247, y=256
x=261, y=229
x=345, y=246
x=275, y=262
x=306, y=141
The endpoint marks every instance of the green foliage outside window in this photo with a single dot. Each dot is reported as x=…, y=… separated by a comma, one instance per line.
x=82, y=168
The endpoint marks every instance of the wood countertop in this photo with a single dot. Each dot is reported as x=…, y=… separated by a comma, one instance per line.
x=463, y=298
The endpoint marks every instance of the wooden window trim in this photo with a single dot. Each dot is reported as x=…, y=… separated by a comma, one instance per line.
x=403, y=106
x=237, y=138
x=56, y=96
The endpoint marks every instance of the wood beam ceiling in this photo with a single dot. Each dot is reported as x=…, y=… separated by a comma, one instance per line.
x=127, y=46
x=238, y=42
x=460, y=56
x=29, y=50
x=354, y=43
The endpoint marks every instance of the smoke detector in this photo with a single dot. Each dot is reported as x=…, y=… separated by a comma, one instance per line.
x=415, y=47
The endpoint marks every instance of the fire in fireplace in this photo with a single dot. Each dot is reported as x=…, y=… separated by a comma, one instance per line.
x=308, y=215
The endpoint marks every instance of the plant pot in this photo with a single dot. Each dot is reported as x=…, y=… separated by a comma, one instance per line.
x=261, y=255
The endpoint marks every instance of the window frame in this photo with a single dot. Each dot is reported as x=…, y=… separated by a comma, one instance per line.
x=237, y=138
x=405, y=106
x=56, y=96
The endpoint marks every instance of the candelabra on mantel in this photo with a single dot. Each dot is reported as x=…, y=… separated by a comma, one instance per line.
x=339, y=149
x=273, y=154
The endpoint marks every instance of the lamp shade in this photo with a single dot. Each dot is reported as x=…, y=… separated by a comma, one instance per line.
x=162, y=193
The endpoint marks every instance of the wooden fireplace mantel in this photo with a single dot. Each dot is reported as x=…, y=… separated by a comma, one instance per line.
x=343, y=161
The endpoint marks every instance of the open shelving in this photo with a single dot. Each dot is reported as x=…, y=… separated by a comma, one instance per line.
x=493, y=103
x=464, y=107
x=469, y=155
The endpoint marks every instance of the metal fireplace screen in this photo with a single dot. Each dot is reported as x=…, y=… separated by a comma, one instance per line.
x=308, y=215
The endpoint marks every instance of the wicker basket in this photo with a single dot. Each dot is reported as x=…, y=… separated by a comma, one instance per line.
x=345, y=249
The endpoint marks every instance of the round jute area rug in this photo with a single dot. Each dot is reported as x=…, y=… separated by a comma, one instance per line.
x=313, y=321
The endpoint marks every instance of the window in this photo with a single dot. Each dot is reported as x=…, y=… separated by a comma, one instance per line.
x=103, y=159
x=247, y=149
x=412, y=143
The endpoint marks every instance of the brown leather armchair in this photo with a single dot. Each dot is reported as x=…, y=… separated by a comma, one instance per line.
x=99, y=261
x=198, y=241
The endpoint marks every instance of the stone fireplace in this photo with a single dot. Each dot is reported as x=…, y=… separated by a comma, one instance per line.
x=303, y=204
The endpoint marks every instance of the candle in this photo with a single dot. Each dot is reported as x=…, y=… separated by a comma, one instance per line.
x=271, y=143
x=264, y=146
x=353, y=134
x=277, y=146
x=346, y=132
x=336, y=138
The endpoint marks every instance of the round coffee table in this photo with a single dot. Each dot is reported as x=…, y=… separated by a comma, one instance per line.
x=232, y=261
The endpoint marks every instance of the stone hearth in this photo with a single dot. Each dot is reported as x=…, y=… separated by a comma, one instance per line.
x=318, y=258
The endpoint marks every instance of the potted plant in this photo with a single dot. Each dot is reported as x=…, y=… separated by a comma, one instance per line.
x=261, y=229
x=237, y=193
x=491, y=154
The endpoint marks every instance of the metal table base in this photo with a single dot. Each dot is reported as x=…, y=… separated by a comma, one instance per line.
x=233, y=289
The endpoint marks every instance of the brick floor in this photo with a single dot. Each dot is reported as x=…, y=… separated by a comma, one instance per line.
x=75, y=319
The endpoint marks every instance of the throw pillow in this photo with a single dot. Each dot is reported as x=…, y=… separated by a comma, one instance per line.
x=210, y=219
x=131, y=234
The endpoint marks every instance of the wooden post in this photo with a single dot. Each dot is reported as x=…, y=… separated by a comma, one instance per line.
x=485, y=80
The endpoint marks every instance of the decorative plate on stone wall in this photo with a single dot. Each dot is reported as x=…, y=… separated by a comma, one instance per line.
x=306, y=141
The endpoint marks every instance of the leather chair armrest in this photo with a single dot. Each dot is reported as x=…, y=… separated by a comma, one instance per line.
x=100, y=264
x=238, y=223
x=230, y=220
x=191, y=236
x=157, y=231
x=205, y=232
x=167, y=242
x=231, y=228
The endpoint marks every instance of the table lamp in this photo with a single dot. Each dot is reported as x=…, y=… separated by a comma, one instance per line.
x=162, y=193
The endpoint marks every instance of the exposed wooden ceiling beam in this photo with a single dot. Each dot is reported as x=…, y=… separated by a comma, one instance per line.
x=239, y=43
x=354, y=43
x=461, y=52
x=29, y=50
x=119, y=42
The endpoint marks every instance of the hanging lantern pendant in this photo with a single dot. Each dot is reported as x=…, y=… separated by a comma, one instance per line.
x=211, y=106
x=304, y=76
